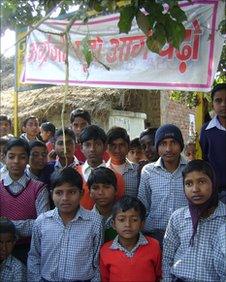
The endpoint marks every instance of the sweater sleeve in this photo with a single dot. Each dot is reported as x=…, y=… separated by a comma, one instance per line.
x=204, y=143
x=104, y=270
x=158, y=266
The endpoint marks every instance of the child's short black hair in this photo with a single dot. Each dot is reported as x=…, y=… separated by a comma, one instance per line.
x=66, y=175
x=6, y=226
x=80, y=113
x=48, y=126
x=126, y=203
x=4, y=140
x=92, y=132
x=6, y=118
x=68, y=132
x=24, y=123
x=102, y=175
x=17, y=142
x=217, y=87
x=135, y=144
x=117, y=132
x=36, y=143
x=149, y=131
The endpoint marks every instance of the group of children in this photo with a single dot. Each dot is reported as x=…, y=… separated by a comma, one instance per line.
x=110, y=217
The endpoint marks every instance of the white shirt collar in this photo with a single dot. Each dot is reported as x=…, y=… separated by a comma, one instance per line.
x=215, y=123
x=86, y=169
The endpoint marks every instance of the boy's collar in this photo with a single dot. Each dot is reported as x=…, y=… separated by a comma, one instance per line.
x=7, y=180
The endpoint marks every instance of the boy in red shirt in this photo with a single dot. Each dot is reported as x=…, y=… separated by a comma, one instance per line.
x=131, y=256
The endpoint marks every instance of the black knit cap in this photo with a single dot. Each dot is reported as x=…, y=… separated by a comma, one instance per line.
x=169, y=131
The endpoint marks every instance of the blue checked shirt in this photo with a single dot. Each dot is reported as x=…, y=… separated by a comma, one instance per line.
x=220, y=253
x=191, y=263
x=129, y=253
x=65, y=253
x=12, y=270
x=161, y=192
x=130, y=175
x=24, y=227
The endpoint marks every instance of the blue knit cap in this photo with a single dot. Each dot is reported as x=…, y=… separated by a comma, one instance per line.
x=169, y=131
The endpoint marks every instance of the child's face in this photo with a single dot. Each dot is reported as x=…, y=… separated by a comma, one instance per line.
x=5, y=127
x=78, y=124
x=135, y=155
x=128, y=224
x=16, y=160
x=118, y=150
x=38, y=158
x=169, y=149
x=70, y=147
x=93, y=150
x=66, y=198
x=7, y=243
x=102, y=194
x=46, y=135
x=149, y=148
x=190, y=152
x=32, y=128
x=198, y=187
x=219, y=103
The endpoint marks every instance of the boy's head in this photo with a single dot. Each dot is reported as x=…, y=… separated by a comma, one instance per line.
x=16, y=153
x=147, y=140
x=218, y=96
x=69, y=142
x=93, y=140
x=169, y=143
x=47, y=131
x=128, y=217
x=3, y=141
x=135, y=153
x=189, y=151
x=38, y=155
x=7, y=237
x=67, y=191
x=79, y=119
x=102, y=184
x=31, y=127
x=118, y=144
x=5, y=125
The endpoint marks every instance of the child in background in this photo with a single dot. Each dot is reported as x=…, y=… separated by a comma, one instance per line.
x=47, y=132
x=22, y=199
x=93, y=141
x=189, y=151
x=3, y=142
x=147, y=141
x=135, y=153
x=189, y=241
x=131, y=256
x=66, y=241
x=102, y=184
x=30, y=127
x=11, y=269
x=5, y=126
x=213, y=138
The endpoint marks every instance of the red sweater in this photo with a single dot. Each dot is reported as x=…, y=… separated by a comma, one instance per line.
x=144, y=266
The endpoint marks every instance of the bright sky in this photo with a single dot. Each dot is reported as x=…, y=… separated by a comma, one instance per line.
x=6, y=42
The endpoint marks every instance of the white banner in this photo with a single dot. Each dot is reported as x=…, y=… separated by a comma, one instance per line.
x=131, y=64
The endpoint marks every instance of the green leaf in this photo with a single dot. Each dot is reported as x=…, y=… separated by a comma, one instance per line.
x=175, y=32
x=178, y=14
x=145, y=23
x=86, y=51
x=156, y=42
x=126, y=17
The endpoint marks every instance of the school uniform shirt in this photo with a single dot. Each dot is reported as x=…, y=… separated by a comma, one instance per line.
x=130, y=175
x=191, y=263
x=220, y=253
x=142, y=263
x=161, y=192
x=12, y=270
x=65, y=252
x=24, y=227
x=58, y=165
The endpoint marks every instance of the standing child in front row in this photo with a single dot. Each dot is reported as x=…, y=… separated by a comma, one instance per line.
x=66, y=240
x=189, y=242
x=131, y=256
x=11, y=269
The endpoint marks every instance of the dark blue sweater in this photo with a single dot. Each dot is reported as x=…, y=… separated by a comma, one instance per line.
x=213, y=144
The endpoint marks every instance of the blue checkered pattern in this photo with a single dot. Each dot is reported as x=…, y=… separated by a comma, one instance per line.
x=12, y=270
x=191, y=263
x=161, y=192
x=65, y=253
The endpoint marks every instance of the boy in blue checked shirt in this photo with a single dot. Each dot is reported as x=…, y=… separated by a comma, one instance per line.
x=11, y=269
x=65, y=241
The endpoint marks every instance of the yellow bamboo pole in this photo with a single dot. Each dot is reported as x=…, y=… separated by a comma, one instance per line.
x=199, y=120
